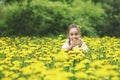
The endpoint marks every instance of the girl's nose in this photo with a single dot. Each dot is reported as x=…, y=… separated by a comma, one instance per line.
x=74, y=36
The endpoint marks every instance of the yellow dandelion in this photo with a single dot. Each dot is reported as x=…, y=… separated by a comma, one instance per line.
x=78, y=50
x=15, y=75
x=66, y=64
x=7, y=73
x=1, y=68
x=101, y=73
x=33, y=77
x=17, y=63
x=6, y=78
x=91, y=77
x=85, y=61
x=96, y=63
x=27, y=70
x=90, y=70
x=110, y=67
x=81, y=75
x=62, y=56
x=57, y=64
x=80, y=66
x=55, y=74
x=94, y=56
x=113, y=73
x=21, y=78
x=115, y=78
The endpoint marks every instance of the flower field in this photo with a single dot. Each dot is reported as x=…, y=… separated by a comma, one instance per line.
x=35, y=58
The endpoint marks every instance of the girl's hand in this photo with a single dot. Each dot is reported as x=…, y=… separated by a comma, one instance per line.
x=79, y=42
x=74, y=43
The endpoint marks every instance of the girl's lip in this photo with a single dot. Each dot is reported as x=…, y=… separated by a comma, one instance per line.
x=74, y=39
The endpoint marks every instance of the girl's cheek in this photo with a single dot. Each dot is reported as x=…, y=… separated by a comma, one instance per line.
x=71, y=38
x=78, y=36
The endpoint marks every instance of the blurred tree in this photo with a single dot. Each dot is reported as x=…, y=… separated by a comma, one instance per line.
x=52, y=16
x=10, y=1
x=111, y=26
x=64, y=1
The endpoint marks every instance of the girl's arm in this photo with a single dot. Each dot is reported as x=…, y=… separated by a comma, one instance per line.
x=82, y=44
x=84, y=47
x=79, y=42
x=68, y=47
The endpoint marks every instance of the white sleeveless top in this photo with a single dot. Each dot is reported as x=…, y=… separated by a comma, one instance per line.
x=83, y=46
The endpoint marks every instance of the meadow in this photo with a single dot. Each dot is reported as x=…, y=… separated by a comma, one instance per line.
x=35, y=58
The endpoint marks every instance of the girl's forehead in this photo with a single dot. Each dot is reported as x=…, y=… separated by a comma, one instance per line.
x=73, y=30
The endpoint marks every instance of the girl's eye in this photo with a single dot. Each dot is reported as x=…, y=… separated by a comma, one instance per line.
x=76, y=33
x=71, y=34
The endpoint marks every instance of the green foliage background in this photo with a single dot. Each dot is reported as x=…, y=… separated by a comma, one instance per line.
x=44, y=17
x=111, y=26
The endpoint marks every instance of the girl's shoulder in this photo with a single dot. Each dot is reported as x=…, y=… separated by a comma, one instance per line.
x=81, y=39
x=67, y=40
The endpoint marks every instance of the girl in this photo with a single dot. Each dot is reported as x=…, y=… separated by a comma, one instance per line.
x=74, y=39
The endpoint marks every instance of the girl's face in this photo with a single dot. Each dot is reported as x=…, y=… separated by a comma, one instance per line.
x=74, y=34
